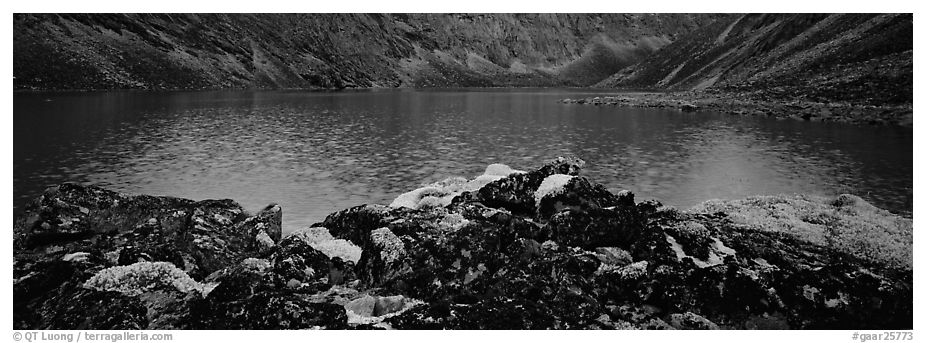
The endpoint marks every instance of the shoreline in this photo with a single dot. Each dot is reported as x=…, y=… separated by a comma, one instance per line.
x=346, y=89
x=734, y=104
x=686, y=101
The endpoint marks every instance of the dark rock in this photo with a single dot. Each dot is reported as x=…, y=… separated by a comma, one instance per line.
x=516, y=192
x=619, y=227
x=688, y=107
x=580, y=195
x=691, y=321
x=253, y=295
x=88, y=309
x=72, y=212
x=297, y=260
x=581, y=258
x=276, y=311
x=355, y=224
x=613, y=256
x=265, y=228
x=383, y=258
x=340, y=271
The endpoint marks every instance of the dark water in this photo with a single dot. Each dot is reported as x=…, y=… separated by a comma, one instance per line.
x=318, y=152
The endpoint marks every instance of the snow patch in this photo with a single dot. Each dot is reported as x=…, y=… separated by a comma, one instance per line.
x=671, y=75
x=722, y=37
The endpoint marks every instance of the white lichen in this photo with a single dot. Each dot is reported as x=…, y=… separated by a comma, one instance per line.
x=846, y=223
x=440, y=194
x=549, y=245
x=551, y=185
x=365, y=304
x=264, y=239
x=498, y=169
x=319, y=238
x=689, y=320
x=391, y=248
x=143, y=277
x=76, y=257
x=421, y=197
x=341, y=248
x=453, y=221
x=613, y=255
x=312, y=234
x=258, y=265
x=633, y=271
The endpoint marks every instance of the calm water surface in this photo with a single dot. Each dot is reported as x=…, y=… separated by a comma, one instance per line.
x=319, y=152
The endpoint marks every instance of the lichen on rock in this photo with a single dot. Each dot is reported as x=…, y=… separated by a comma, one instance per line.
x=493, y=257
x=320, y=239
x=846, y=223
x=142, y=277
x=440, y=194
x=551, y=185
x=390, y=247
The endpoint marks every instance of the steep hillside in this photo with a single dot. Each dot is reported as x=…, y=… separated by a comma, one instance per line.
x=171, y=51
x=858, y=58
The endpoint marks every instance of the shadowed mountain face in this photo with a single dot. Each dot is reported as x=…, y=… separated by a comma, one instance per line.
x=196, y=51
x=860, y=58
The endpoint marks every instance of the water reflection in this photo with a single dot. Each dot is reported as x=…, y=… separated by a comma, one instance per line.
x=315, y=153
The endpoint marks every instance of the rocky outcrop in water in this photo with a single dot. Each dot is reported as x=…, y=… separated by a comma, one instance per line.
x=541, y=249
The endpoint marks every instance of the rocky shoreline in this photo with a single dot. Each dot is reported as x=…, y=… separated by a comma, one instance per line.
x=538, y=249
x=741, y=104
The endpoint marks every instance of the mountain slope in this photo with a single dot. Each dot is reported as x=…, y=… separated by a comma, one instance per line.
x=195, y=51
x=858, y=58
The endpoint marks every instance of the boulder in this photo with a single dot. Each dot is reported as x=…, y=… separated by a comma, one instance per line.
x=255, y=295
x=688, y=107
x=516, y=193
x=264, y=230
x=296, y=259
x=578, y=194
x=541, y=249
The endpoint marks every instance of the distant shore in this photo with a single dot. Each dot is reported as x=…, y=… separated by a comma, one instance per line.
x=901, y=115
